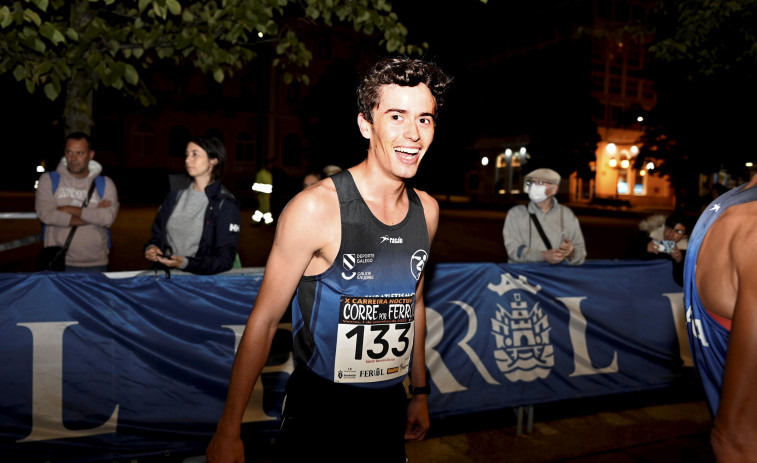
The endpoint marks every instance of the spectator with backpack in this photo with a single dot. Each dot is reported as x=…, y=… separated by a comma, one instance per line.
x=65, y=200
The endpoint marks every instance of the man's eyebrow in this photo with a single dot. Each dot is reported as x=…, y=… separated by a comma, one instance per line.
x=404, y=111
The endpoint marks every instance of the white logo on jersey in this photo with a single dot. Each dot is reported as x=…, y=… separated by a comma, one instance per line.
x=348, y=262
x=391, y=240
x=696, y=327
x=417, y=262
x=233, y=227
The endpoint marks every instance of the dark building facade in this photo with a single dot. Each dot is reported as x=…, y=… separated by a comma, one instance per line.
x=563, y=76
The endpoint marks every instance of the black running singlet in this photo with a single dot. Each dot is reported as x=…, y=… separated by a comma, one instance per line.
x=354, y=323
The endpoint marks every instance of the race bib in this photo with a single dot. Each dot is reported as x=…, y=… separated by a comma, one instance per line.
x=374, y=338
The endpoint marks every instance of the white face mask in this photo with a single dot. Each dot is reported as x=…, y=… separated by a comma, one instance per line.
x=537, y=193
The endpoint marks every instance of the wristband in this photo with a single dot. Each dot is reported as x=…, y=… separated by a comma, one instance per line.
x=420, y=390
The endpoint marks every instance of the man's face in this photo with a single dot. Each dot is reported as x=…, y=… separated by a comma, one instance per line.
x=550, y=187
x=78, y=155
x=676, y=233
x=402, y=129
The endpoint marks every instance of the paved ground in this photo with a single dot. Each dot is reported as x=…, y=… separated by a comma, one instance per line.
x=667, y=426
x=663, y=426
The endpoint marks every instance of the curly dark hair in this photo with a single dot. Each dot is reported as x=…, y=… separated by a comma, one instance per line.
x=400, y=71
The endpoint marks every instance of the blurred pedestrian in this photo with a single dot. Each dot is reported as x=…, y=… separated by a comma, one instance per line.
x=358, y=315
x=76, y=195
x=720, y=294
x=543, y=230
x=330, y=170
x=311, y=178
x=197, y=227
x=263, y=188
x=662, y=237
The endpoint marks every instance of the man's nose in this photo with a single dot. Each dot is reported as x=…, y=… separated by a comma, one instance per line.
x=412, y=132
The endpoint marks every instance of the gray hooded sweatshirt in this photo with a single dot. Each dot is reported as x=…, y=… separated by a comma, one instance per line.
x=89, y=247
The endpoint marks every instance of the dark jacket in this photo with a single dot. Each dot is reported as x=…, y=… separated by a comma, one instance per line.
x=637, y=249
x=220, y=231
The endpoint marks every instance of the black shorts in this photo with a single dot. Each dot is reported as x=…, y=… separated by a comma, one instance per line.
x=326, y=421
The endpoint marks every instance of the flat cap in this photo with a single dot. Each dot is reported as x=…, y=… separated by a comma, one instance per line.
x=544, y=174
x=331, y=170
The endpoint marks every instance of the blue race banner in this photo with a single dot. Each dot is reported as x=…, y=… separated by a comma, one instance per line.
x=509, y=335
x=97, y=368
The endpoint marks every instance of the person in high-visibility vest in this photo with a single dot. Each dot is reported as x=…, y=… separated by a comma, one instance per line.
x=263, y=187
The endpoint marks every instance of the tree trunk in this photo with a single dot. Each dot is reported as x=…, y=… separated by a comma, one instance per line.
x=78, y=110
x=77, y=113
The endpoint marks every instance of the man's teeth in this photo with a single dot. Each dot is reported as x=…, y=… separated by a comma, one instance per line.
x=408, y=150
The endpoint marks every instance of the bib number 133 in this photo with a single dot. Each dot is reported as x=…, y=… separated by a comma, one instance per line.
x=374, y=339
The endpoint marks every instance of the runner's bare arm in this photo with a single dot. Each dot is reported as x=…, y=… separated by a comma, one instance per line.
x=418, y=421
x=295, y=244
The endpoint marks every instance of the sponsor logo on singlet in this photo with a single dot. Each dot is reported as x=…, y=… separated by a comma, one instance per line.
x=351, y=261
x=390, y=239
x=417, y=262
x=348, y=262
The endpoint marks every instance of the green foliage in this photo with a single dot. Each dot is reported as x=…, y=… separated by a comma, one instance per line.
x=707, y=37
x=704, y=63
x=48, y=43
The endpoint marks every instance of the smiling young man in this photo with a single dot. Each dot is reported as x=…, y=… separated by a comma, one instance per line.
x=351, y=249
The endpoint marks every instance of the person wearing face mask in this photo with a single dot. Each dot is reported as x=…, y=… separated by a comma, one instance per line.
x=543, y=230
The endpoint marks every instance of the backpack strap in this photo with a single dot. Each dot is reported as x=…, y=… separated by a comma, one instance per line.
x=100, y=184
x=55, y=179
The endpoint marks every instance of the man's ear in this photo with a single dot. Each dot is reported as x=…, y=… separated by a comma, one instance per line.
x=364, y=125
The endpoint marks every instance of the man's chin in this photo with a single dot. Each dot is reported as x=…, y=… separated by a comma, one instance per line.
x=407, y=172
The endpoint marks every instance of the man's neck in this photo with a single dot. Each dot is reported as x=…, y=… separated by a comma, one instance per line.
x=385, y=196
x=84, y=174
x=377, y=183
